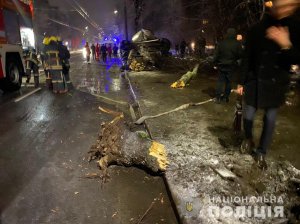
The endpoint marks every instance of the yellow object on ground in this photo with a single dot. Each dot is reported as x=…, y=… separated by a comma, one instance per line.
x=186, y=78
x=137, y=66
x=158, y=151
x=178, y=85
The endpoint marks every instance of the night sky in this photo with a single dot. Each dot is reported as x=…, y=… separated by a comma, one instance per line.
x=158, y=16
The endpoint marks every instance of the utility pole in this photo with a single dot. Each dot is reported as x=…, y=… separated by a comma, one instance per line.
x=125, y=18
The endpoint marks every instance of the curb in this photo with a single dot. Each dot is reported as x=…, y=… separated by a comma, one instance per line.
x=146, y=126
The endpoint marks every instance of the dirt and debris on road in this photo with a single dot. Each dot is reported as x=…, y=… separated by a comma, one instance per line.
x=203, y=152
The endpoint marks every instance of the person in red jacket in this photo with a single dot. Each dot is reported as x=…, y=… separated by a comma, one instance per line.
x=97, y=51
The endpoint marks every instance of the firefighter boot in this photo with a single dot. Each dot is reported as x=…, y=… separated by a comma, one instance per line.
x=36, y=81
x=28, y=73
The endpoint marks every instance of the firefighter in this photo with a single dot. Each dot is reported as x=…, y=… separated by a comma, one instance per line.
x=46, y=41
x=53, y=65
x=64, y=56
x=31, y=62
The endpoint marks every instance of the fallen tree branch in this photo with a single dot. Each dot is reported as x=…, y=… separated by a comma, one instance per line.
x=148, y=210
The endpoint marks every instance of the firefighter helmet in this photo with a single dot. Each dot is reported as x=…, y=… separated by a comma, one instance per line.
x=46, y=40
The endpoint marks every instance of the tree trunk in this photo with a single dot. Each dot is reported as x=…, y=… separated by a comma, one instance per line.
x=116, y=144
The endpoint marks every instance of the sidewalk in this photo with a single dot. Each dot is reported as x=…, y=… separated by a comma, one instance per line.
x=203, y=151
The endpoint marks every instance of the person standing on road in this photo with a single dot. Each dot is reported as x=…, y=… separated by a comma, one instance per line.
x=201, y=43
x=115, y=50
x=183, y=46
x=109, y=51
x=32, y=64
x=53, y=65
x=88, y=52
x=176, y=49
x=125, y=49
x=64, y=55
x=93, y=48
x=272, y=46
x=226, y=57
x=104, y=52
x=97, y=49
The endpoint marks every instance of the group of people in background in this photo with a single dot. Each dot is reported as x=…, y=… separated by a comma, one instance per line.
x=103, y=51
x=183, y=49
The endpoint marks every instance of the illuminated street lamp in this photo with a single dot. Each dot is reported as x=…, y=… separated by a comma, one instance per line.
x=269, y=4
x=116, y=12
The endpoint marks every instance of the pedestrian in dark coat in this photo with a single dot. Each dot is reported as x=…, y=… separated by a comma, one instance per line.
x=183, y=46
x=226, y=57
x=104, y=52
x=200, y=47
x=176, y=49
x=93, y=48
x=271, y=47
x=115, y=50
x=64, y=55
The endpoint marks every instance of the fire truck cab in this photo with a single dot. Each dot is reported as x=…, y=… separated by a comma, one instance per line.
x=16, y=34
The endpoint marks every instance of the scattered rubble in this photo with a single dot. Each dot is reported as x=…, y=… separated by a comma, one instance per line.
x=226, y=174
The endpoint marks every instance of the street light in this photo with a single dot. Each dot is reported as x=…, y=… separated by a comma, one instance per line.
x=116, y=12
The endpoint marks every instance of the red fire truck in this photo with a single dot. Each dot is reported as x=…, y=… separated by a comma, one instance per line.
x=16, y=33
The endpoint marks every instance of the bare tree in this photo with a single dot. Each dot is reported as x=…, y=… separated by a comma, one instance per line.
x=222, y=14
x=139, y=7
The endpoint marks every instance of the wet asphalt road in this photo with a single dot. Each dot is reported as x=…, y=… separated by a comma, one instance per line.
x=44, y=140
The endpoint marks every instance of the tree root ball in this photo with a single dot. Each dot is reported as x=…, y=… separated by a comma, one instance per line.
x=116, y=144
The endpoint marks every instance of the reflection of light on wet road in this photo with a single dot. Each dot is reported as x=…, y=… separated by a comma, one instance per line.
x=42, y=113
x=106, y=80
x=116, y=85
x=40, y=118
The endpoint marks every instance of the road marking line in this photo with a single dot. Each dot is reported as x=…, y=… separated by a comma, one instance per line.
x=27, y=94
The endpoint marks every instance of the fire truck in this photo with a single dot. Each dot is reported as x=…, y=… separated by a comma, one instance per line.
x=16, y=34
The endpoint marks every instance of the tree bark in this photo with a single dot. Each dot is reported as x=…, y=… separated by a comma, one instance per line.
x=116, y=144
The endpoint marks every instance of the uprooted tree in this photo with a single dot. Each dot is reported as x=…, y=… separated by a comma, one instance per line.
x=116, y=144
